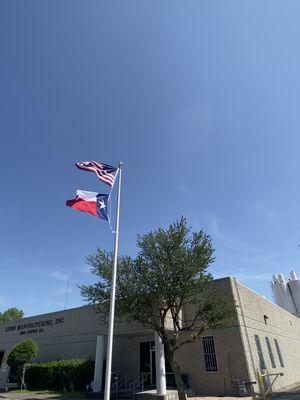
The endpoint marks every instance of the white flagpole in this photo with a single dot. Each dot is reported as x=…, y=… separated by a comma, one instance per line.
x=112, y=296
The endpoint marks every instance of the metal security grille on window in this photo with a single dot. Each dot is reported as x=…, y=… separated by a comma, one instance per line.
x=272, y=359
x=260, y=354
x=279, y=353
x=209, y=354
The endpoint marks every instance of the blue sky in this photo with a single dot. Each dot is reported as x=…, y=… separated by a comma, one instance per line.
x=201, y=101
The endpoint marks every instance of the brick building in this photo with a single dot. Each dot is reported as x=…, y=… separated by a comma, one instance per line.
x=262, y=336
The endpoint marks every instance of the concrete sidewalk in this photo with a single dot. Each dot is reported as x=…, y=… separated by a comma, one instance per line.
x=27, y=396
x=39, y=395
x=219, y=398
x=291, y=393
x=20, y=396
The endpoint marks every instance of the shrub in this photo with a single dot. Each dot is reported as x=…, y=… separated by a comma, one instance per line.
x=21, y=354
x=65, y=375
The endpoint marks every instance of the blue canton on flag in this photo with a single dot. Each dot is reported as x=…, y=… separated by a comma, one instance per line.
x=102, y=200
x=106, y=173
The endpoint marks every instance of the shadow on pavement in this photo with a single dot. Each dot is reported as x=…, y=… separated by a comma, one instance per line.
x=291, y=395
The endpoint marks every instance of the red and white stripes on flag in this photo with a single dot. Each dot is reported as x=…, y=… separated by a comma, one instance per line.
x=106, y=173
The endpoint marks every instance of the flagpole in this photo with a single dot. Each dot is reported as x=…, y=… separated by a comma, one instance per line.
x=112, y=296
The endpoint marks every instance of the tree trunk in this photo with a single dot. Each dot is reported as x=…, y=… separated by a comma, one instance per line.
x=176, y=371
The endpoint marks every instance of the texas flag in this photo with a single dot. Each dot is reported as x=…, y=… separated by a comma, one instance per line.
x=91, y=203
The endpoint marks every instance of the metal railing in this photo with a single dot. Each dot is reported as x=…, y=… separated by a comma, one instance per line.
x=119, y=381
x=138, y=384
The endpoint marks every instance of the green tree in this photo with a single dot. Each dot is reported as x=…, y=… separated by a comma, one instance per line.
x=21, y=354
x=11, y=314
x=168, y=275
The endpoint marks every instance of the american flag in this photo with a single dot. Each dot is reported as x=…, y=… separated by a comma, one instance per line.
x=106, y=173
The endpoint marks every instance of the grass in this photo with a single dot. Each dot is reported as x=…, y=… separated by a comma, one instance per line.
x=48, y=393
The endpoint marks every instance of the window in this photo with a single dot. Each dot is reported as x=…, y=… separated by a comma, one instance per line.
x=266, y=319
x=260, y=354
x=209, y=354
x=279, y=353
x=272, y=359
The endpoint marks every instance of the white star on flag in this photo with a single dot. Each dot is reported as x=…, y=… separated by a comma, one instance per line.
x=102, y=204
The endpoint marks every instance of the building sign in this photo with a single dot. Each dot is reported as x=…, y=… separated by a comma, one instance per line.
x=34, y=327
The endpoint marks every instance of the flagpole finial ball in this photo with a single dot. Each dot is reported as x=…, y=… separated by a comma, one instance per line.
x=120, y=164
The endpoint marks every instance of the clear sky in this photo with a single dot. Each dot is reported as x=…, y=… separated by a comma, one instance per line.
x=201, y=101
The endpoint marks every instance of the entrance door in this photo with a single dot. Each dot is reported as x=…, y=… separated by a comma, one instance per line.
x=153, y=367
x=1, y=357
x=147, y=362
x=147, y=365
